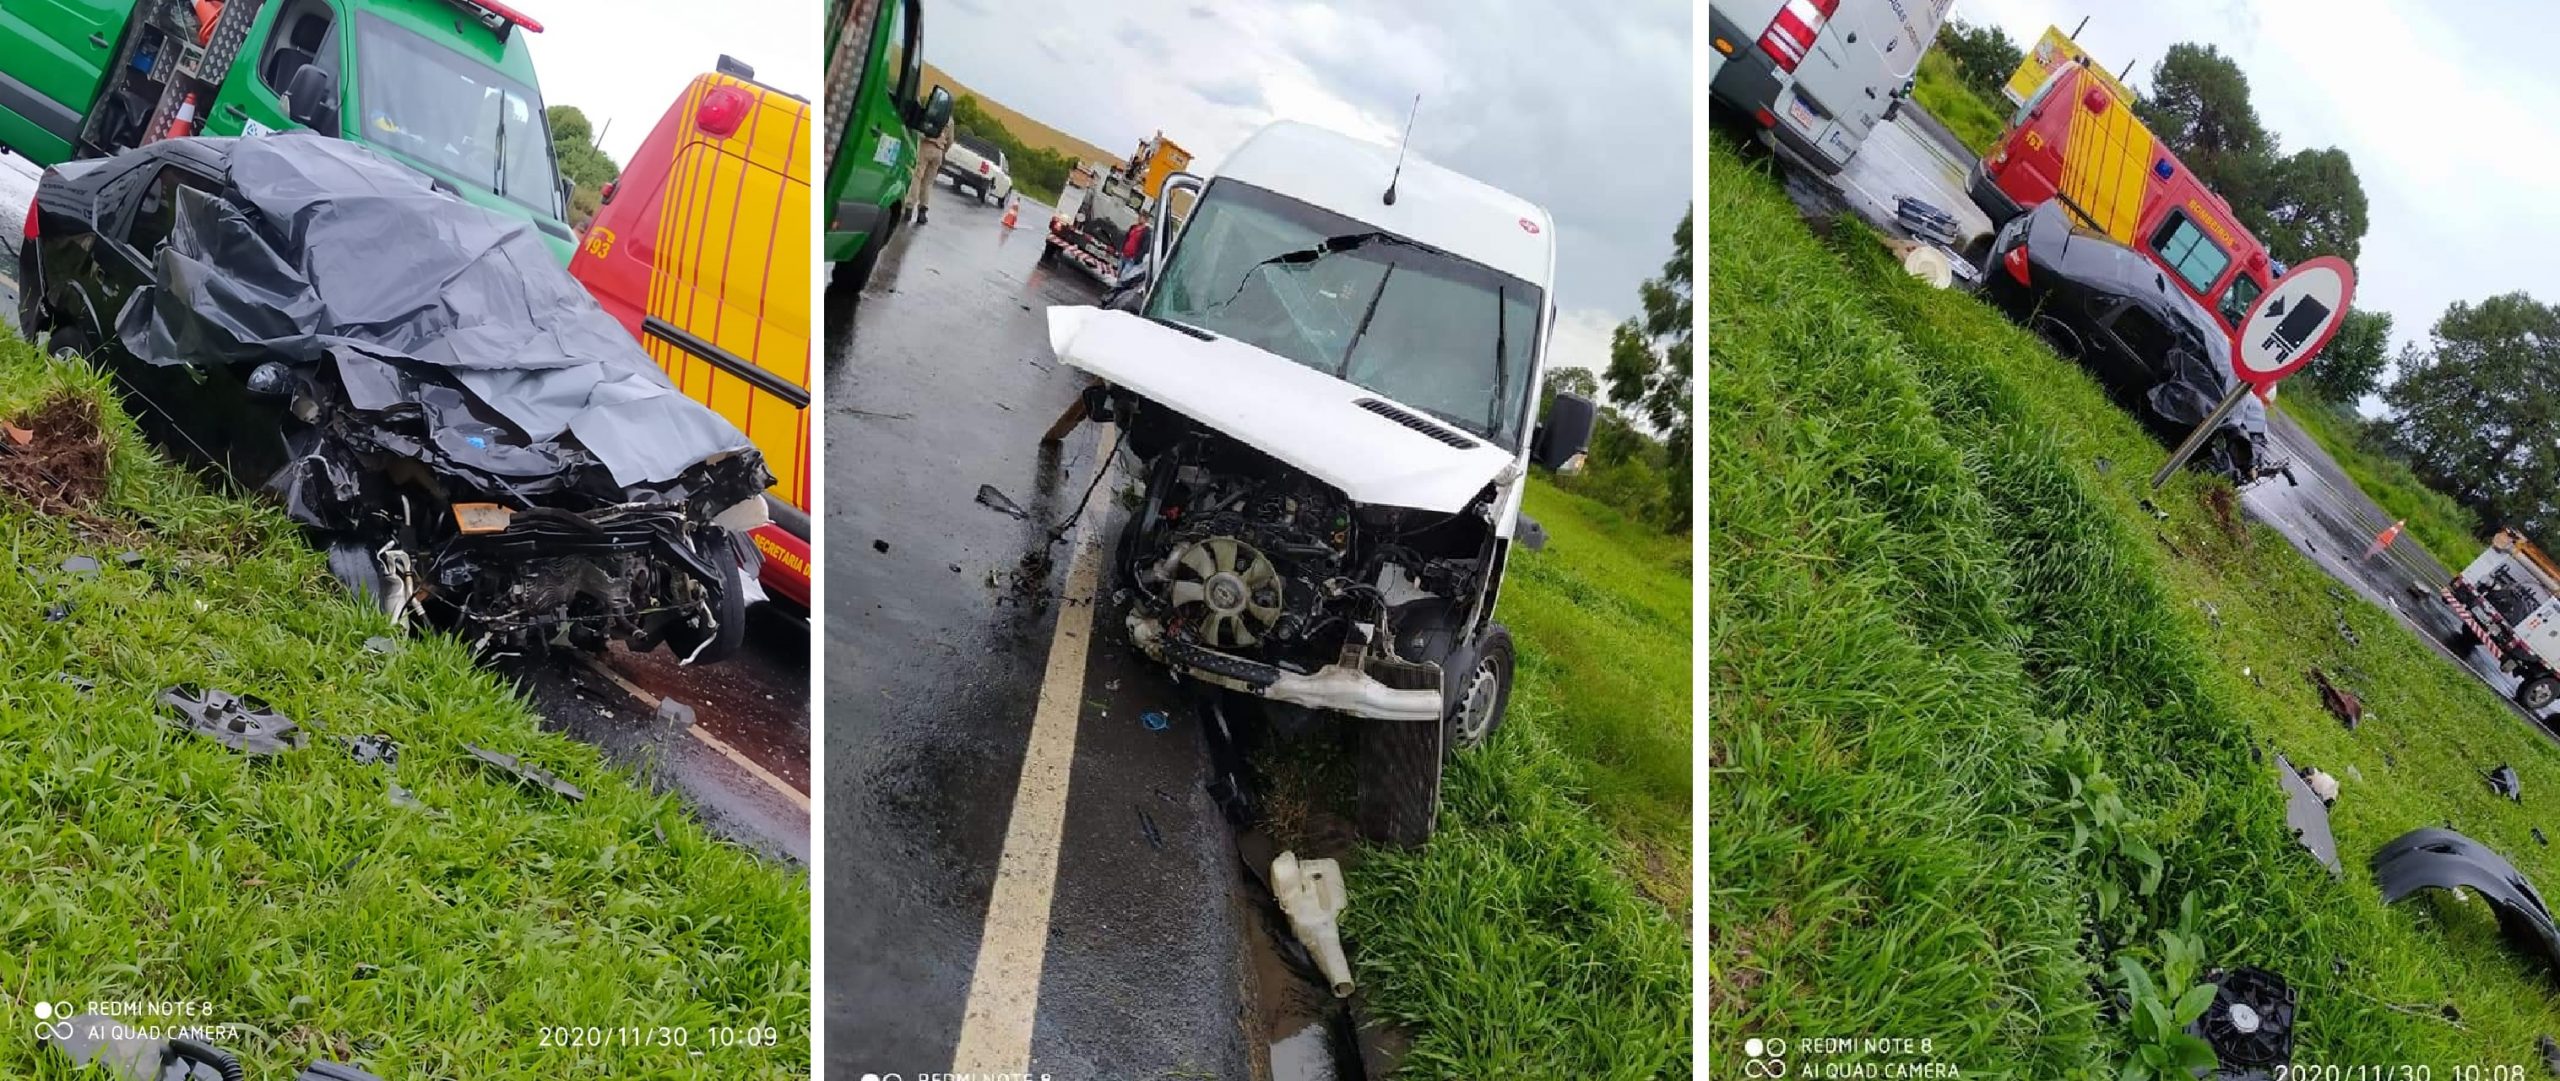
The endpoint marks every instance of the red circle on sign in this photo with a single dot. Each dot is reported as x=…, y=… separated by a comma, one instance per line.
x=2266, y=380
x=1530, y=226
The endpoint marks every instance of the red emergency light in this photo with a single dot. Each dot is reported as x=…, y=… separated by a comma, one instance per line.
x=723, y=108
x=498, y=16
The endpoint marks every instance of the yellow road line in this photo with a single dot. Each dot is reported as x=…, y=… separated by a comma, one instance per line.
x=1004, y=990
x=772, y=780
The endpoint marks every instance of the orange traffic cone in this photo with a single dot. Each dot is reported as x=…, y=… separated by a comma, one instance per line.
x=1012, y=210
x=2383, y=539
x=185, y=123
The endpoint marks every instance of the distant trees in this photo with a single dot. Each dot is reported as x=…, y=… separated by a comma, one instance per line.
x=573, y=145
x=2478, y=414
x=1567, y=380
x=1037, y=171
x=2350, y=367
x=1649, y=371
x=1983, y=55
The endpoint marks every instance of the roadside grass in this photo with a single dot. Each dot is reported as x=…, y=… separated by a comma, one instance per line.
x=1940, y=88
x=2449, y=530
x=288, y=893
x=1544, y=931
x=1934, y=610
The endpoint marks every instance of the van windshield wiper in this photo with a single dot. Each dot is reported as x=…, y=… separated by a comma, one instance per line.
x=1501, y=358
x=498, y=172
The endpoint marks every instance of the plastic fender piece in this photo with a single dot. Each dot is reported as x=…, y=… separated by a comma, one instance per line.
x=2442, y=859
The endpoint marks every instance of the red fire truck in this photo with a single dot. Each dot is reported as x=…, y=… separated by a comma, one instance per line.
x=2077, y=139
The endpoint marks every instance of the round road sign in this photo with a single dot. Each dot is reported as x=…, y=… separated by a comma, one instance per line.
x=2288, y=325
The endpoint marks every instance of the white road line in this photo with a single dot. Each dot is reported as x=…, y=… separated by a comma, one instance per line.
x=1004, y=991
x=772, y=780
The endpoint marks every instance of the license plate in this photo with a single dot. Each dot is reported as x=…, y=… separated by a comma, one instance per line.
x=1802, y=113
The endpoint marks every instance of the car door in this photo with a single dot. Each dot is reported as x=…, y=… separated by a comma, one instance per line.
x=53, y=54
x=205, y=409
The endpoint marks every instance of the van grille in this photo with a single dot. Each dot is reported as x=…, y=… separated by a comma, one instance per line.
x=1426, y=427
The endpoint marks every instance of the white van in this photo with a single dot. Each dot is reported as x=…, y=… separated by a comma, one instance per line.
x=1818, y=75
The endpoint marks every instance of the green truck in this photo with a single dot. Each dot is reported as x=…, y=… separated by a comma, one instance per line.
x=875, y=58
x=445, y=86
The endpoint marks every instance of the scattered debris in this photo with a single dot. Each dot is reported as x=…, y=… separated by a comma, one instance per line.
x=1147, y=825
x=2211, y=613
x=376, y=748
x=2306, y=813
x=380, y=644
x=1155, y=720
x=74, y=682
x=528, y=772
x=2550, y=1049
x=674, y=714
x=2153, y=509
x=2503, y=781
x=80, y=566
x=130, y=558
x=2539, y=839
x=955, y=568
x=998, y=502
x=2250, y=1022
x=60, y=611
x=880, y=546
x=1311, y=893
x=2342, y=704
x=402, y=797
x=243, y=723
x=2347, y=632
x=2105, y=465
x=2443, y=859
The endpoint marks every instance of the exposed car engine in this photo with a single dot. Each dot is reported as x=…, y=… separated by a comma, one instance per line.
x=1235, y=553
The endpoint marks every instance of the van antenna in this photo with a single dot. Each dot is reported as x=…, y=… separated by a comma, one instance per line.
x=1408, y=140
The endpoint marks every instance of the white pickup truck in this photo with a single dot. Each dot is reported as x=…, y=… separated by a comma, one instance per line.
x=1329, y=393
x=978, y=167
x=2504, y=604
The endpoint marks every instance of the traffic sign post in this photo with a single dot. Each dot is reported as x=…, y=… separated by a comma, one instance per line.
x=2281, y=333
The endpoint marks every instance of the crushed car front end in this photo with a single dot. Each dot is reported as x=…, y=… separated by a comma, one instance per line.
x=475, y=443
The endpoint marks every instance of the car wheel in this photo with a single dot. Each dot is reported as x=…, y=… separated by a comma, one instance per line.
x=2059, y=335
x=1480, y=693
x=2538, y=692
x=1399, y=780
x=696, y=645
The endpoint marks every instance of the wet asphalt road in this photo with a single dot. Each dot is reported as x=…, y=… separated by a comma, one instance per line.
x=744, y=769
x=942, y=382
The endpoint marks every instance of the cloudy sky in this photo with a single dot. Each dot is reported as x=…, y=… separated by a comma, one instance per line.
x=626, y=60
x=1586, y=112
x=2448, y=111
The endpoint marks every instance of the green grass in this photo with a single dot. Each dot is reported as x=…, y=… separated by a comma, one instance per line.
x=1931, y=607
x=288, y=893
x=1940, y=89
x=2449, y=530
x=1523, y=941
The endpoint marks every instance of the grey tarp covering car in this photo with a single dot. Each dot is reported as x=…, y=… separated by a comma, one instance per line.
x=324, y=323
x=2116, y=312
x=356, y=261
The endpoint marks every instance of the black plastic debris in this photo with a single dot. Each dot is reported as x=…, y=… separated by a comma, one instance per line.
x=880, y=546
x=2503, y=781
x=2307, y=816
x=998, y=502
x=2153, y=509
x=2442, y=859
x=526, y=772
x=60, y=611
x=129, y=558
x=82, y=566
x=376, y=748
x=243, y=723
x=1924, y=220
x=1147, y=826
x=2348, y=633
x=2250, y=1022
x=2550, y=1049
x=2539, y=839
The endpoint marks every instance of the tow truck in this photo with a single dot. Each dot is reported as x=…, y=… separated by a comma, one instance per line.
x=2504, y=602
x=1089, y=234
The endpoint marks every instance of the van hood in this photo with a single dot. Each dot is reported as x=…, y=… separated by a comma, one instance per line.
x=1304, y=418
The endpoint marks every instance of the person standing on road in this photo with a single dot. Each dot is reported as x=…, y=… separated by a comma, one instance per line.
x=928, y=166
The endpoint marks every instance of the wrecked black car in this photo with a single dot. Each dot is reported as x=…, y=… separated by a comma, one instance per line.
x=418, y=381
x=2157, y=351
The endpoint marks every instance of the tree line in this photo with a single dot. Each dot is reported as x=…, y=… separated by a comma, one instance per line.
x=1641, y=458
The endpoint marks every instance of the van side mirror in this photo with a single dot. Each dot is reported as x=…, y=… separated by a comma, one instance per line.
x=311, y=99
x=936, y=113
x=1565, y=431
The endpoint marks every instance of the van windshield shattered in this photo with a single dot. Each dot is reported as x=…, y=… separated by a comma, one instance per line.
x=1452, y=338
x=454, y=115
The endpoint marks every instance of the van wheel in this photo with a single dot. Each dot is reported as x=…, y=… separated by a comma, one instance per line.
x=1480, y=692
x=2538, y=693
x=857, y=271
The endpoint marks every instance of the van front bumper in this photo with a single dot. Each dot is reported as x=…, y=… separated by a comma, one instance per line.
x=1334, y=688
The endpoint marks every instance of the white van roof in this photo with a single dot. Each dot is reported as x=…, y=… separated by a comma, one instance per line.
x=1457, y=214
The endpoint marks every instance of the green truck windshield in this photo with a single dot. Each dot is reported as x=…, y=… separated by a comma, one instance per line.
x=453, y=114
